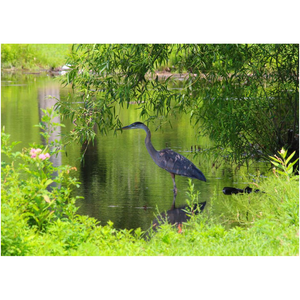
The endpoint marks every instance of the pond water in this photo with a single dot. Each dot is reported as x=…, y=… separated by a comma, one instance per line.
x=120, y=182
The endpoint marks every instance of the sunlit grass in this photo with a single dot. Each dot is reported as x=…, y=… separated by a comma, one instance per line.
x=34, y=56
x=271, y=228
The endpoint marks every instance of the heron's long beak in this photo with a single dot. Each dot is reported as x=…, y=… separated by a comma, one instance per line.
x=126, y=127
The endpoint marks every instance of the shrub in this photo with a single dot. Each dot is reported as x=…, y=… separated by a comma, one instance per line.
x=28, y=202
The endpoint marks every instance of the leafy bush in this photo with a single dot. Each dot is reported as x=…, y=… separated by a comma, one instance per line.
x=15, y=232
x=27, y=199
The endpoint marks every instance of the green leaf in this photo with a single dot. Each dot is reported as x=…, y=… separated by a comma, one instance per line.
x=289, y=158
x=291, y=164
x=49, y=181
x=275, y=159
x=34, y=206
x=282, y=173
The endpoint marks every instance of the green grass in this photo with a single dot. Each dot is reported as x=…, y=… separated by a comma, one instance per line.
x=266, y=224
x=34, y=56
x=275, y=231
x=47, y=56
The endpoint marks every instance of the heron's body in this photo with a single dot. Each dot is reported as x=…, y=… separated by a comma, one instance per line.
x=173, y=162
x=177, y=164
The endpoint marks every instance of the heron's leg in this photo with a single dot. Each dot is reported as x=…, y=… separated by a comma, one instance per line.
x=174, y=184
x=174, y=190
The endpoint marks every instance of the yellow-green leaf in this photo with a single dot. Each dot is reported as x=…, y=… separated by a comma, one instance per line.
x=289, y=158
x=49, y=181
x=279, y=172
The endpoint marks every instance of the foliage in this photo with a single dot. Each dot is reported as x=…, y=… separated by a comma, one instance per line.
x=251, y=98
x=284, y=164
x=33, y=56
x=28, y=182
x=245, y=97
x=192, y=199
x=106, y=75
x=38, y=220
x=15, y=231
x=278, y=200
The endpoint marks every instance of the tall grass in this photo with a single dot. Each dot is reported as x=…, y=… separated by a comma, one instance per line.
x=34, y=56
x=272, y=229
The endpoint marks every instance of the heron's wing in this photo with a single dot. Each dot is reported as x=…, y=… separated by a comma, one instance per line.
x=177, y=164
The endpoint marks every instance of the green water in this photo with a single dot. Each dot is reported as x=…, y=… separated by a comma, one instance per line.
x=120, y=182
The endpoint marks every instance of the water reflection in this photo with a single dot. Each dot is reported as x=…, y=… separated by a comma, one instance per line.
x=120, y=182
x=177, y=216
x=48, y=95
x=92, y=178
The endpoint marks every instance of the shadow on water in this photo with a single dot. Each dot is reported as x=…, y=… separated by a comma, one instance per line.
x=175, y=216
x=91, y=178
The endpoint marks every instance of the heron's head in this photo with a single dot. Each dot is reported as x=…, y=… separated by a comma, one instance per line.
x=135, y=125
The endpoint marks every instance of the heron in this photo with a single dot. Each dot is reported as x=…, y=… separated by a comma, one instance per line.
x=174, y=163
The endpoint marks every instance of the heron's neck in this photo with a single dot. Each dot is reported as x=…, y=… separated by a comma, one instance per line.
x=148, y=143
